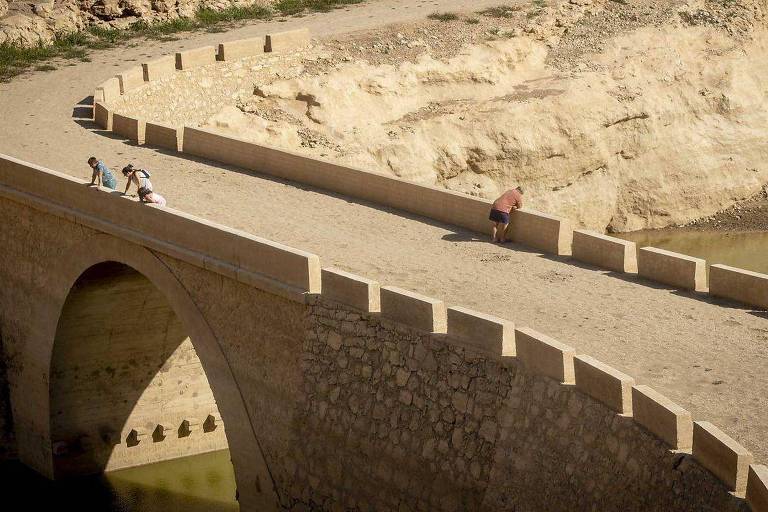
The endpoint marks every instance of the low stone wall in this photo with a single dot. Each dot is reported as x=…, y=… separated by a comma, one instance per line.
x=409, y=408
x=188, y=238
x=539, y=230
x=738, y=284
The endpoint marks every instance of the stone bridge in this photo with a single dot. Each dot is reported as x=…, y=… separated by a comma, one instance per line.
x=134, y=334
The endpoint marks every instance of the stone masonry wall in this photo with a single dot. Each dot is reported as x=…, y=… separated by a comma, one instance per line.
x=7, y=441
x=399, y=420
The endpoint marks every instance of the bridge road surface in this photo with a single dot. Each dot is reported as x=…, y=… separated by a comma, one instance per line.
x=710, y=357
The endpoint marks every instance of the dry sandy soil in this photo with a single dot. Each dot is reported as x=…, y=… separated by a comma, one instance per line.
x=706, y=355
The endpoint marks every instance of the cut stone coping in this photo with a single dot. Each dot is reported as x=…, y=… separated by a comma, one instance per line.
x=662, y=417
x=159, y=68
x=288, y=40
x=156, y=134
x=721, y=455
x=544, y=355
x=128, y=127
x=757, y=488
x=738, y=284
x=352, y=290
x=131, y=79
x=604, y=251
x=195, y=58
x=672, y=268
x=233, y=50
x=107, y=91
x=102, y=116
x=543, y=231
x=604, y=383
x=485, y=333
x=412, y=309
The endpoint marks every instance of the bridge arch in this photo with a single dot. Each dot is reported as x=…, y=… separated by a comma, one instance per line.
x=251, y=471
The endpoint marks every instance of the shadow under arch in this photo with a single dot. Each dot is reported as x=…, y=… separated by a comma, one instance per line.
x=255, y=485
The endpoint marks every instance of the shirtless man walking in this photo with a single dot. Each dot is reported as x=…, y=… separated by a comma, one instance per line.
x=509, y=200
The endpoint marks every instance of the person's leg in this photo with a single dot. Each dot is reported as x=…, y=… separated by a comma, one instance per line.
x=503, y=237
x=494, y=231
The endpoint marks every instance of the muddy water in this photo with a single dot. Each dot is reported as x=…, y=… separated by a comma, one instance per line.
x=744, y=250
x=203, y=483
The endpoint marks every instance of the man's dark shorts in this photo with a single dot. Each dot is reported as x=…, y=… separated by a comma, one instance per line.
x=499, y=216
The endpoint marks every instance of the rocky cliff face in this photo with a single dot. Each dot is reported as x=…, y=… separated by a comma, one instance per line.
x=619, y=116
x=32, y=22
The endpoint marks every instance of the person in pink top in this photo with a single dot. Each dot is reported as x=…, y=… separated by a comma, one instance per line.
x=509, y=200
x=147, y=196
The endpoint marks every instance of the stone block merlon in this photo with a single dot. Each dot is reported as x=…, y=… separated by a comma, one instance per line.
x=721, y=455
x=603, y=383
x=662, y=417
x=757, y=488
x=672, y=268
x=352, y=290
x=131, y=79
x=233, y=50
x=195, y=58
x=545, y=356
x=414, y=310
x=604, y=251
x=484, y=333
x=289, y=40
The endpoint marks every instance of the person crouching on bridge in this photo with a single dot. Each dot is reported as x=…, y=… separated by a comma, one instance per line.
x=102, y=173
x=147, y=196
x=139, y=177
x=502, y=207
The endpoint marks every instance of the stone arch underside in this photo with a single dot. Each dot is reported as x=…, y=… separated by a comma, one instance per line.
x=256, y=490
x=126, y=387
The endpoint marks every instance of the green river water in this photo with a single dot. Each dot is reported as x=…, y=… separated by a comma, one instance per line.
x=744, y=250
x=202, y=483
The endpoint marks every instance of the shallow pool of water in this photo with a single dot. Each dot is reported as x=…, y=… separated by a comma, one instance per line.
x=202, y=483
x=744, y=250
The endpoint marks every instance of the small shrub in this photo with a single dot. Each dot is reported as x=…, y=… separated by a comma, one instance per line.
x=501, y=11
x=443, y=16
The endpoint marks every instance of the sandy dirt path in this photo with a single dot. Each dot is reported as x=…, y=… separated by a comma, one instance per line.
x=710, y=357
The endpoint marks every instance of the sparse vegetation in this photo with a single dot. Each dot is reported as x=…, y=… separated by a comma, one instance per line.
x=501, y=11
x=443, y=16
x=472, y=21
x=15, y=59
x=299, y=6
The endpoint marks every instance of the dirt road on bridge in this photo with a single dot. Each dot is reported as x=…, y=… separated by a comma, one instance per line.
x=708, y=356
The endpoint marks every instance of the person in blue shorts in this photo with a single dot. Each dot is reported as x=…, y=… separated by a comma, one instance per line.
x=101, y=173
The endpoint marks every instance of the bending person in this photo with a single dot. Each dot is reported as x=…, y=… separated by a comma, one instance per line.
x=139, y=177
x=502, y=207
x=101, y=173
x=147, y=196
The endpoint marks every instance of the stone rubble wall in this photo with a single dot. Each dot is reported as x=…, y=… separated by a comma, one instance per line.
x=402, y=420
x=197, y=93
